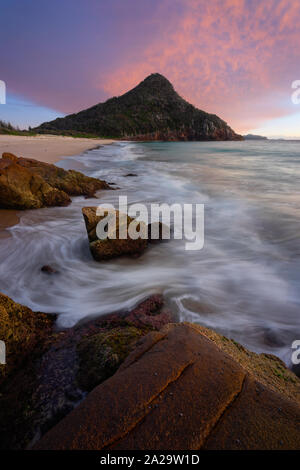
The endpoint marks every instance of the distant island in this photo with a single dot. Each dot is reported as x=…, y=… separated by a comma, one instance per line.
x=150, y=111
x=255, y=137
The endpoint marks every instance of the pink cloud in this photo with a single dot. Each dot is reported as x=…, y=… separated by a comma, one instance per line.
x=235, y=58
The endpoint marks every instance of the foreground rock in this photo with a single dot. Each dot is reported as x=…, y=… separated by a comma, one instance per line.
x=23, y=332
x=114, y=246
x=48, y=372
x=30, y=184
x=183, y=388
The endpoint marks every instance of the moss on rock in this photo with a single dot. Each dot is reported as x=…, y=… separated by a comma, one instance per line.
x=100, y=355
x=22, y=330
x=49, y=372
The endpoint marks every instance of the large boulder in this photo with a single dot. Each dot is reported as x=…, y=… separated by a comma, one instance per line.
x=186, y=388
x=20, y=189
x=52, y=371
x=71, y=182
x=29, y=184
x=112, y=246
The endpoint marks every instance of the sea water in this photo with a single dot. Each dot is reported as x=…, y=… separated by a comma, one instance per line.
x=244, y=283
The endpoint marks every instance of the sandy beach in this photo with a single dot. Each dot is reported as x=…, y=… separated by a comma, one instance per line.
x=46, y=148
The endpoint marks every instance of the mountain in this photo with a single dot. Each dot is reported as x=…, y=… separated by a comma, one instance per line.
x=255, y=137
x=150, y=111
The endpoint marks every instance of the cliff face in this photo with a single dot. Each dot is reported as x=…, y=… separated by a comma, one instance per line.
x=150, y=111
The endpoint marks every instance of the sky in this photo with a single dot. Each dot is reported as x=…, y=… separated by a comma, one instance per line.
x=234, y=58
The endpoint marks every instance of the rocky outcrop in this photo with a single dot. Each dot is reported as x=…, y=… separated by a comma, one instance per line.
x=20, y=189
x=113, y=246
x=29, y=184
x=50, y=372
x=185, y=387
x=133, y=380
x=150, y=111
x=23, y=332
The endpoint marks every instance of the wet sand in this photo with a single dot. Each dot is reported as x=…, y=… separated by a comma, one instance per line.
x=46, y=148
x=8, y=218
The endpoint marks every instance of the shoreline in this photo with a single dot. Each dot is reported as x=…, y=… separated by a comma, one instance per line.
x=8, y=218
x=46, y=148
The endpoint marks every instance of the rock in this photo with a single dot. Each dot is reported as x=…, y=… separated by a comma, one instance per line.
x=61, y=367
x=9, y=156
x=158, y=232
x=101, y=354
x=296, y=369
x=48, y=269
x=20, y=189
x=131, y=174
x=29, y=184
x=186, y=388
x=23, y=331
x=105, y=343
x=150, y=313
x=113, y=246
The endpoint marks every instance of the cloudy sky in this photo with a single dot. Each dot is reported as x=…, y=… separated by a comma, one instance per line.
x=235, y=58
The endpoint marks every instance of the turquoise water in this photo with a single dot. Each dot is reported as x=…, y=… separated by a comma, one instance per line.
x=244, y=282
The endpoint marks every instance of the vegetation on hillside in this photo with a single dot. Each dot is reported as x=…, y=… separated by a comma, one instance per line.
x=150, y=111
x=8, y=129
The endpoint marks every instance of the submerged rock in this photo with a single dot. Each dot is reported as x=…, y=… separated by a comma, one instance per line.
x=150, y=313
x=48, y=269
x=53, y=370
x=186, y=388
x=29, y=184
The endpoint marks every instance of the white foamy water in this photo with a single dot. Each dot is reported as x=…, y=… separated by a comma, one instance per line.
x=243, y=283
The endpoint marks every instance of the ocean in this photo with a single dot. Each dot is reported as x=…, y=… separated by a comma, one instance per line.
x=244, y=283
